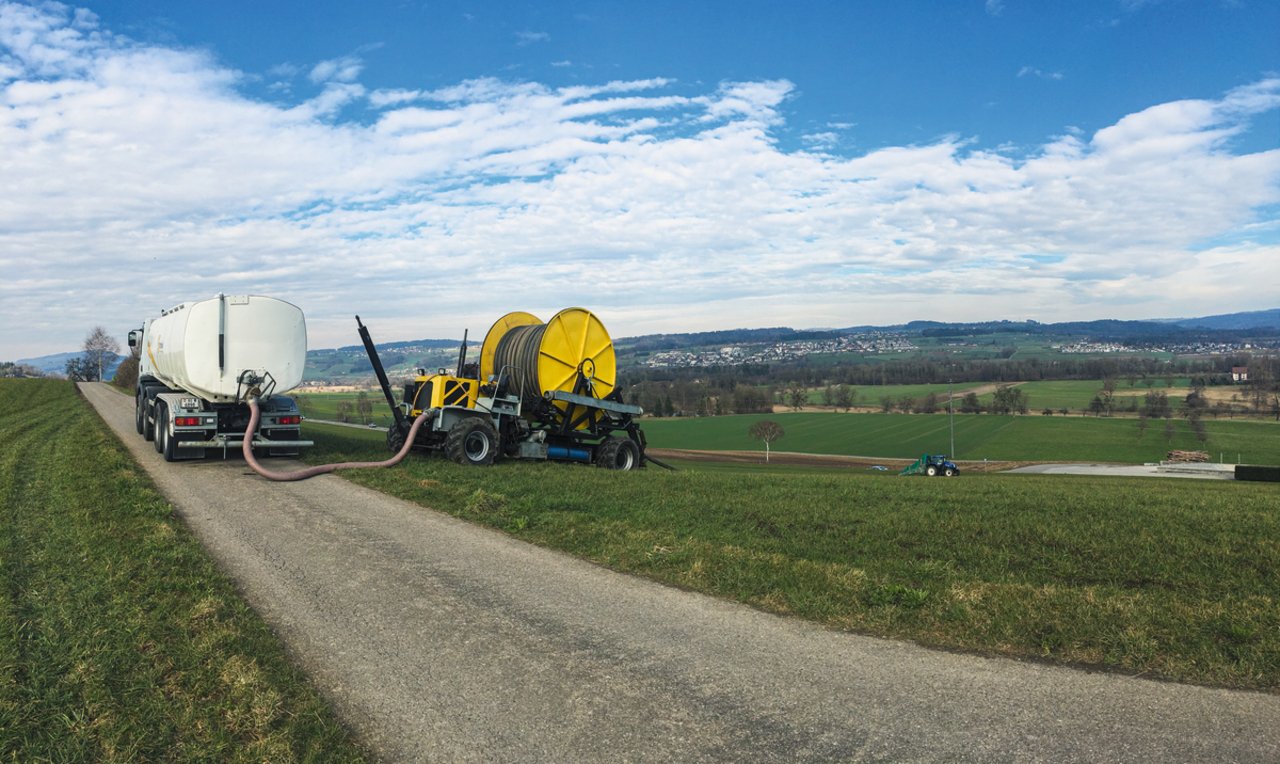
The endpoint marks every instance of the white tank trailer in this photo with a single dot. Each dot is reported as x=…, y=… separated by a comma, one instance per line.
x=198, y=362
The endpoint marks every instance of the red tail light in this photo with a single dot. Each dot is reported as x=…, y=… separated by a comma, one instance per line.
x=290, y=420
x=186, y=421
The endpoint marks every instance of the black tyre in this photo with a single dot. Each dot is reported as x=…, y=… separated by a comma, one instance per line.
x=472, y=441
x=148, y=425
x=931, y=470
x=139, y=412
x=395, y=439
x=160, y=428
x=617, y=454
x=949, y=472
x=170, y=449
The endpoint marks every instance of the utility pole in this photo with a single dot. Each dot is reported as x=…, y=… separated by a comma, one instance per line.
x=951, y=417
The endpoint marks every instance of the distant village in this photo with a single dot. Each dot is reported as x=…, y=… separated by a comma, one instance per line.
x=779, y=352
x=1190, y=348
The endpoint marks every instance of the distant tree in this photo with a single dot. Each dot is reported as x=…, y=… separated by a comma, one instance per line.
x=797, y=396
x=344, y=411
x=829, y=396
x=126, y=376
x=844, y=397
x=100, y=349
x=79, y=369
x=1008, y=399
x=767, y=431
x=1156, y=404
x=970, y=404
x=364, y=407
x=929, y=404
x=887, y=404
x=18, y=370
x=1169, y=430
x=1142, y=424
x=907, y=404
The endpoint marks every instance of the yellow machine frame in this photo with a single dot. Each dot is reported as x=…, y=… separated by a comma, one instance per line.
x=443, y=390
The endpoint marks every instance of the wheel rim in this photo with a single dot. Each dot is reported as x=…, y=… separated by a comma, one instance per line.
x=476, y=446
x=624, y=459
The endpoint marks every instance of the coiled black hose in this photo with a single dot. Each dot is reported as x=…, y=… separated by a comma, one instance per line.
x=518, y=350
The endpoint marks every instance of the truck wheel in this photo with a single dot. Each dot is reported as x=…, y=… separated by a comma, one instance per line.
x=170, y=449
x=139, y=412
x=949, y=472
x=472, y=441
x=160, y=427
x=931, y=470
x=617, y=454
x=148, y=425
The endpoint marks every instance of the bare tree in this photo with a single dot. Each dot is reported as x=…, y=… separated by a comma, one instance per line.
x=768, y=431
x=100, y=349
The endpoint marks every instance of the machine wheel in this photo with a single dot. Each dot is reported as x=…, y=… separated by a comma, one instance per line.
x=931, y=470
x=139, y=412
x=949, y=472
x=472, y=441
x=395, y=439
x=159, y=427
x=617, y=454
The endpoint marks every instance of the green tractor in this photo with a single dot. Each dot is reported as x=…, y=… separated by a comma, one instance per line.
x=932, y=465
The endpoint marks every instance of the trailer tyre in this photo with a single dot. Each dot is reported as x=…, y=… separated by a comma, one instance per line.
x=617, y=454
x=931, y=470
x=139, y=412
x=472, y=441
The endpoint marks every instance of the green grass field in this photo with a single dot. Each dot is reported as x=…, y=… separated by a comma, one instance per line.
x=119, y=639
x=977, y=437
x=325, y=406
x=1165, y=577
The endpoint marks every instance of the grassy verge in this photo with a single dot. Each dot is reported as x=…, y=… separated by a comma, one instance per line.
x=119, y=640
x=1171, y=578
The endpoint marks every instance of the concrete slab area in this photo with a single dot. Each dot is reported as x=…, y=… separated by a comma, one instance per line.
x=1204, y=471
x=441, y=641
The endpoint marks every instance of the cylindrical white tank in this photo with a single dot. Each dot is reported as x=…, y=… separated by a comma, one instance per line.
x=203, y=347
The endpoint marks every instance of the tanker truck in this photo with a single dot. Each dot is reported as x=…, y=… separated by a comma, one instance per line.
x=199, y=361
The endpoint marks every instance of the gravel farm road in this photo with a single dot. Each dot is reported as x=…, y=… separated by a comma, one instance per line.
x=440, y=641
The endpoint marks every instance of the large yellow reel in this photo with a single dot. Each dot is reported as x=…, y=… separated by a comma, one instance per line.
x=575, y=341
x=499, y=328
x=571, y=353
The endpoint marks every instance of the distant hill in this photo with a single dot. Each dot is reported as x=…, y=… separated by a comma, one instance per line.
x=56, y=364
x=1248, y=320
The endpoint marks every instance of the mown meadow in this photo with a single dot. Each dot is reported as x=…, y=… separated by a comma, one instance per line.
x=119, y=639
x=1158, y=576
x=977, y=436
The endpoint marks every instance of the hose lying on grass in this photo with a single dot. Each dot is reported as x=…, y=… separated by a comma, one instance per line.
x=247, y=448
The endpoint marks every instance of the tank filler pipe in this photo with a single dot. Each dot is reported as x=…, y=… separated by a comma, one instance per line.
x=284, y=477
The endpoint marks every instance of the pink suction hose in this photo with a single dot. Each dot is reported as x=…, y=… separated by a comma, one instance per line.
x=284, y=477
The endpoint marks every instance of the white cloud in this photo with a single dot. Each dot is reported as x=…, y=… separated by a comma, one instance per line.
x=527, y=37
x=148, y=179
x=1031, y=71
x=344, y=69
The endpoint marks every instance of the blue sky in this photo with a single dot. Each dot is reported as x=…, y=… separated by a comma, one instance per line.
x=671, y=166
